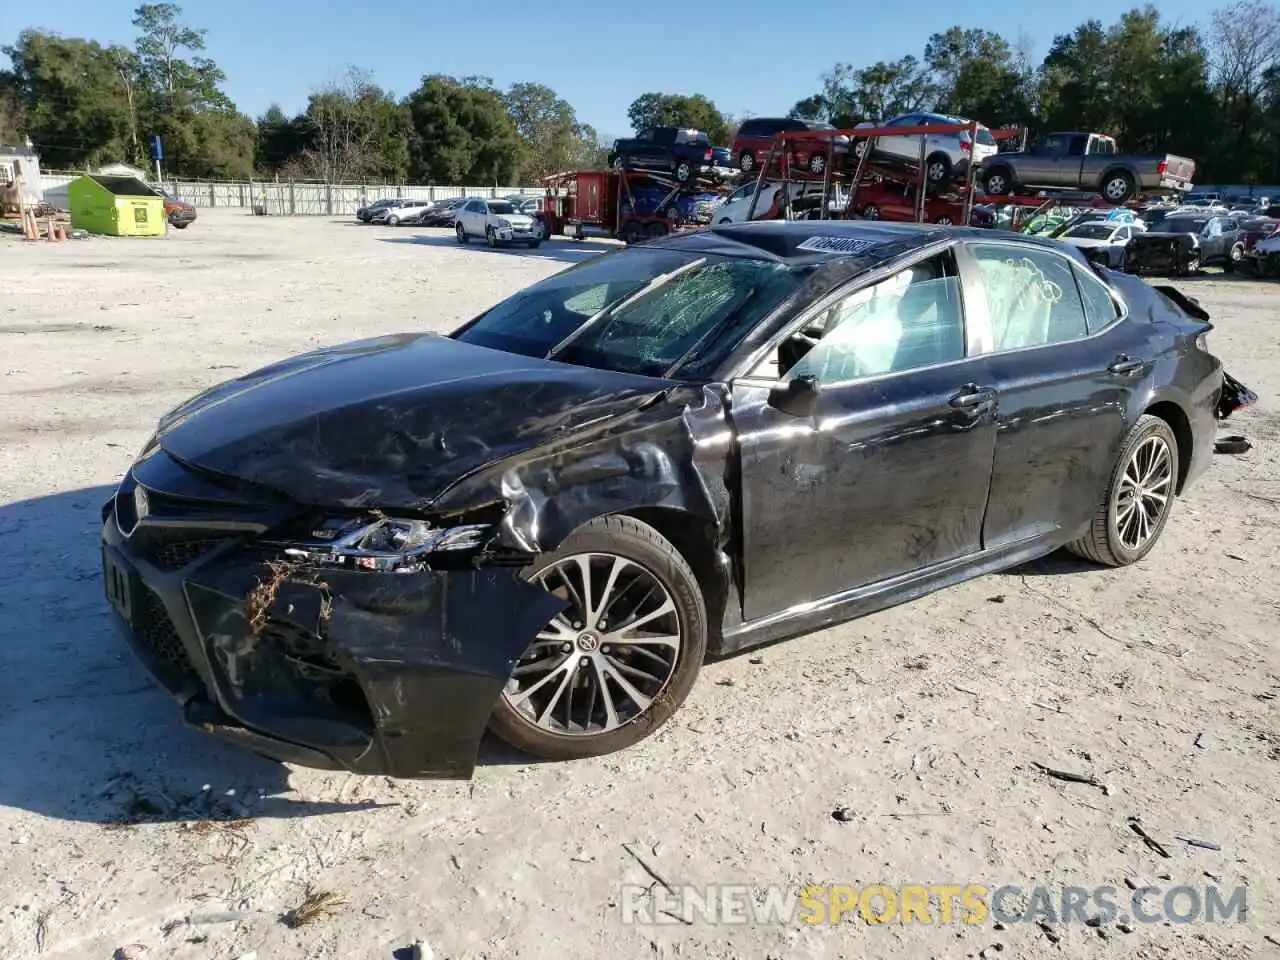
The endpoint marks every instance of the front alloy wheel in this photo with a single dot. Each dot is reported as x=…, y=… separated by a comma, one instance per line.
x=1129, y=522
x=620, y=658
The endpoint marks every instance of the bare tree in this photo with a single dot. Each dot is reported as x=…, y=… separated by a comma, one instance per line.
x=343, y=146
x=1245, y=44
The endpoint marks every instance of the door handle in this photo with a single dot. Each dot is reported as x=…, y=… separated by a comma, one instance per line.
x=971, y=396
x=1125, y=366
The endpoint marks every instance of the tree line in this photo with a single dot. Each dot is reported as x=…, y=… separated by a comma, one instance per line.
x=1208, y=92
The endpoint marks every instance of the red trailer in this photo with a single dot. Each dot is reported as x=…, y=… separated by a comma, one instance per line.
x=585, y=203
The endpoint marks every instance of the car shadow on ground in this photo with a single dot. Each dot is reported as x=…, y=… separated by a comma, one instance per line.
x=567, y=251
x=85, y=734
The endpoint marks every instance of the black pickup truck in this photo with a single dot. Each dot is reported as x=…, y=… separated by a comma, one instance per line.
x=682, y=153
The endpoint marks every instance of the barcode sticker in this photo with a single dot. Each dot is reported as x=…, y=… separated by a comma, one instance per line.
x=836, y=245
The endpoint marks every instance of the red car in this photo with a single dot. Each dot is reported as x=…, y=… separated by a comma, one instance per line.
x=897, y=202
x=756, y=136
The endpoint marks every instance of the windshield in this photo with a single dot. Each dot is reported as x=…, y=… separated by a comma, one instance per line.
x=1091, y=231
x=683, y=325
x=501, y=207
x=1181, y=225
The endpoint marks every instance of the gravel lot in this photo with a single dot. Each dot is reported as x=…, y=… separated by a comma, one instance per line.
x=926, y=721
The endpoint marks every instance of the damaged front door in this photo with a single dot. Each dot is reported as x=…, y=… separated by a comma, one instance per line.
x=885, y=468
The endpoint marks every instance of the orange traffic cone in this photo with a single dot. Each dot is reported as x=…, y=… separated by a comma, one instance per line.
x=29, y=231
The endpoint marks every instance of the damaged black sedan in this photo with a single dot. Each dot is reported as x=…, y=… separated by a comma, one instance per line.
x=542, y=524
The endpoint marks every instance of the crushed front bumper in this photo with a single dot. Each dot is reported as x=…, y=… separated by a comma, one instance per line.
x=375, y=673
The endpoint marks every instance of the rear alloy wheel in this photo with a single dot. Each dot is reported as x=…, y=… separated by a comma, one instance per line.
x=620, y=659
x=1138, y=499
x=1118, y=188
x=817, y=163
x=685, y=171
x=938, y=169
x=746, y=161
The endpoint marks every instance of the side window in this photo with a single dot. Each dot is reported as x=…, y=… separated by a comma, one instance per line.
x=749, y=128
x=1121, y=235
x=1100, y=308
x=1031, y=296
x=665, y=135
x=909, y=320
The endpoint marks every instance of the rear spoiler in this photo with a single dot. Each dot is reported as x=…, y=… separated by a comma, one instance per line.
x=1188, y=305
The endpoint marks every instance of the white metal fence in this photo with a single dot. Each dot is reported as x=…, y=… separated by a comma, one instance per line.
x=293, y=198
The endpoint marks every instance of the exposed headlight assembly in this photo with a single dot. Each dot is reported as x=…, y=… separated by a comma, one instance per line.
x=387, y=544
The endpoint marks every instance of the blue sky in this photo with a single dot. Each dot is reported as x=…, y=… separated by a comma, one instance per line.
x=750, y=55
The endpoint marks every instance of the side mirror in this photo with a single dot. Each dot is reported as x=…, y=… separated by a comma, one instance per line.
x=796, y=397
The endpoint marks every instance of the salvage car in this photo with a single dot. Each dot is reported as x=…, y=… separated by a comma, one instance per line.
x=363, y=557
x=1086, y=161
x=892, y=201
x=1182, y=243
x=756, y=138
x=177, y=212
x=498, y=222
x=1103, y=241
x=683, y=153
x=946, y=155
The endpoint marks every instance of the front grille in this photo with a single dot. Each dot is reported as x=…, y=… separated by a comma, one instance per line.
x=159, y=636
x=172, y=555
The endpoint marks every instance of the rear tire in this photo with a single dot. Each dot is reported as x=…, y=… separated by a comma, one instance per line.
x=645, y=553
x=1118, y=187
x=1148, y=461
x=937, y=169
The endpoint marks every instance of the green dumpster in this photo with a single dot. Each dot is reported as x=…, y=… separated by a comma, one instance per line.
x=115, y=206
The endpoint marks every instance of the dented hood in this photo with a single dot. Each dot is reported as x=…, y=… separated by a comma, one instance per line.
x=390, y=422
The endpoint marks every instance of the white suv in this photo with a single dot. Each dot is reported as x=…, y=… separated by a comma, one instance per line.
x=498, y=221
x=946, y=154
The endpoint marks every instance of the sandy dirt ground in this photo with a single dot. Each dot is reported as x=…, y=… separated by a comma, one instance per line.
x=925, y=723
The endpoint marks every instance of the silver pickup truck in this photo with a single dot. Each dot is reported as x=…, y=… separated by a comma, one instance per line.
x=1085, y=161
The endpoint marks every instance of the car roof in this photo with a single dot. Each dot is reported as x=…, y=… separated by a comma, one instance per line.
x=819, y=241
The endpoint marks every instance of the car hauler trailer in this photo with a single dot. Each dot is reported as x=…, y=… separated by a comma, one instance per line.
x=632, y=205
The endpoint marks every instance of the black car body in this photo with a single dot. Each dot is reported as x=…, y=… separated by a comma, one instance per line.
x=442, y=214
x=342, y=559
x=1182, y=243
x=365, y=213
x=682, y=153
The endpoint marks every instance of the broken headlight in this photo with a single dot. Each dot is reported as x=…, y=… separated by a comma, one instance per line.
x=387, y=544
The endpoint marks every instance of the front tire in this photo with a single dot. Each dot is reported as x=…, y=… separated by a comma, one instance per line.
x=587, y=686
x=461, y=232
x=746, y=161
x=1138, y=500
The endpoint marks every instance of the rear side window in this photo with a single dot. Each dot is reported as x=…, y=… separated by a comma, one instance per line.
x=1100, y=308
x=1032, y=296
